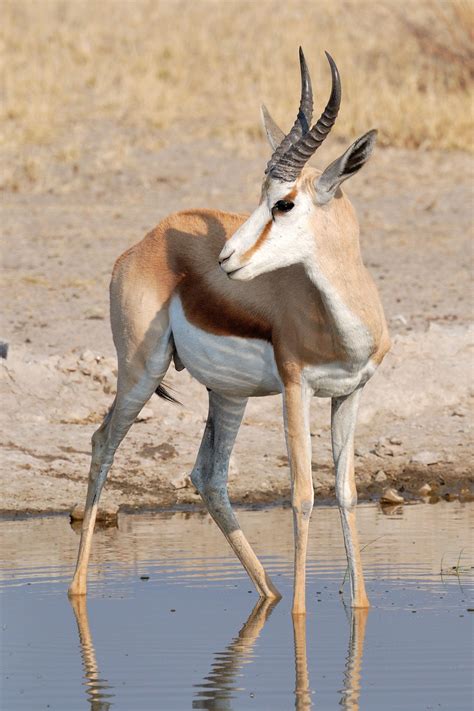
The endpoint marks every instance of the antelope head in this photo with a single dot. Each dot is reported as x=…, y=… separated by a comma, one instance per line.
x=300, y=208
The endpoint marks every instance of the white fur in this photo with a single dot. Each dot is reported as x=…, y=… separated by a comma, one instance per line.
x=340, y=378
x=289, y=240
x=336, y=379
x=246, y=367
x=225, y=364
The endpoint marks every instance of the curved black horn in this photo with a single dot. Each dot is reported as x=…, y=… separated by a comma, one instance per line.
x=290, y=165
x=303, y=119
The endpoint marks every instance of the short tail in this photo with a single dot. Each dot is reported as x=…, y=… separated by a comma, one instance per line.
x=163, y=393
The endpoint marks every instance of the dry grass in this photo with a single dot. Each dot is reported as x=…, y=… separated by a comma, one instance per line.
x=78, y=67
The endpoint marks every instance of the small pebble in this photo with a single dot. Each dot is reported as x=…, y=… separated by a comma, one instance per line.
x=390, y=496
x=380, y=476
x=424, y=490
x=181, y=481
x=426, y=458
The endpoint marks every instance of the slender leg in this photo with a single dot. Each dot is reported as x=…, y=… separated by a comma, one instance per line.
x=209, y=476
x=296, y=410
x=343, y=421
x=134, y=389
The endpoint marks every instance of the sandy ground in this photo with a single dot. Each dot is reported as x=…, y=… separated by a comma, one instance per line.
x=58, y=380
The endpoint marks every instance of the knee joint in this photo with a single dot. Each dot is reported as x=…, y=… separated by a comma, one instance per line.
x=303, y=508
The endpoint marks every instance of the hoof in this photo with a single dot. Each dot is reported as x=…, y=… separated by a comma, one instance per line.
x=76, y=590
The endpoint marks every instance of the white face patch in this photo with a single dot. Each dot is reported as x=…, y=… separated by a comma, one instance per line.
x=270, y=239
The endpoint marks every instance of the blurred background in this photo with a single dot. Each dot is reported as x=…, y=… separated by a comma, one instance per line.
x=84, y=82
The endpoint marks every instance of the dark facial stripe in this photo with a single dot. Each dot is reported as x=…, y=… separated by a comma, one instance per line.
x=261, y=239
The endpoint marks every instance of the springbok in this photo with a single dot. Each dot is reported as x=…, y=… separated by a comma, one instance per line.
x=275, y=302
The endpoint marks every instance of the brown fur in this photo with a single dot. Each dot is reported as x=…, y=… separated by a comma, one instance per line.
x=258, y=243
x=283, y=307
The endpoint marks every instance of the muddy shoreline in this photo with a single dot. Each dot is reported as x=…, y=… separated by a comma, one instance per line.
x=442, y=486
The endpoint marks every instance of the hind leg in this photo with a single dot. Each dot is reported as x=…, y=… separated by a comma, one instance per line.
x=135, y=386
x=343, y=422
x=210, y=478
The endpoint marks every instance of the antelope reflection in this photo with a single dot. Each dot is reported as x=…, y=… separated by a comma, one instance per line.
x=96, y=688
x=219, y=687
x=217, y=691
x=350, y=693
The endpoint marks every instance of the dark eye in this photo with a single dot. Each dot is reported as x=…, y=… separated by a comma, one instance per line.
x=283, y=206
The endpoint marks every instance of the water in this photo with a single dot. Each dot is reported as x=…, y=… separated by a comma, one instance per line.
x=191, y=636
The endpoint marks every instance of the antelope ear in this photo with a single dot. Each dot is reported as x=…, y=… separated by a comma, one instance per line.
x=344, y=167
x=274, y=134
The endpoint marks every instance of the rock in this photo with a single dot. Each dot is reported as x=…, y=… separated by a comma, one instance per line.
x=380, y=477
x=3, y=349
x=360, y=452
x=181, y=481
x=395, y=440
x=87, y=356
x=107, y=513
x=391, y=496
x=425, y=490
x=400, y=318
x=426, y=458
x=145, y=414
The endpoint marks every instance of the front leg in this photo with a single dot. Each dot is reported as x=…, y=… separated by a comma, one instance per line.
x=343, y=422
x=296, y=409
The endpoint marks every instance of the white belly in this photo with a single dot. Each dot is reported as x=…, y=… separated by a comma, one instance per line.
x=226, y=364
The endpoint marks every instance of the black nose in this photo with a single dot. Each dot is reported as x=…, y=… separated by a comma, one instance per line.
x=225, y=259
